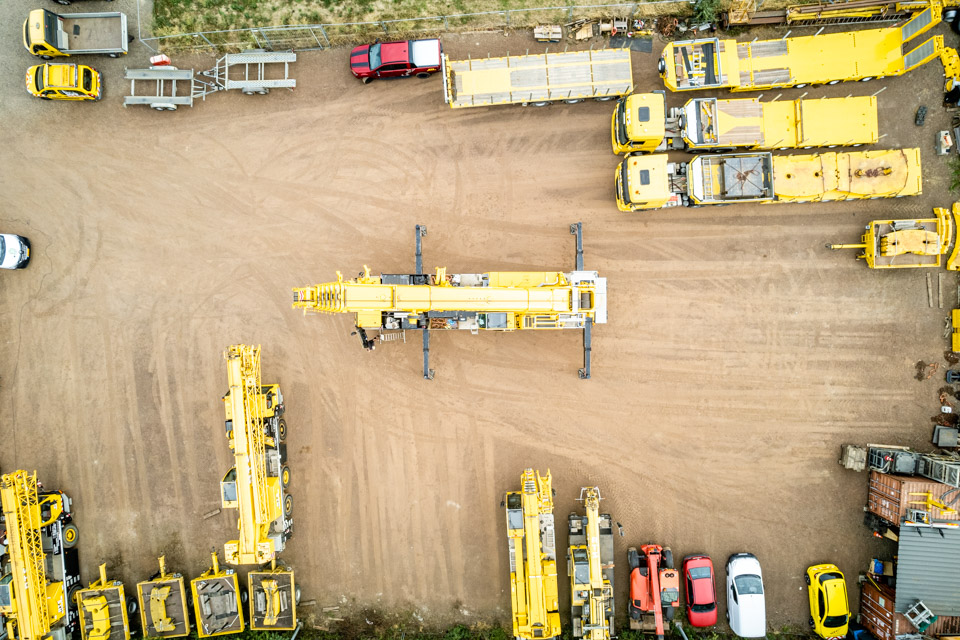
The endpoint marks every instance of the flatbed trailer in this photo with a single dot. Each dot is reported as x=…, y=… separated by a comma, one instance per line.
x=537, y=79
x=103, y=610
x=641, y=122
x=164, y=608
x=251, y=72
x=217, y=602
x=905, y=244
x=645, y=182
x=711, y=63
x=47, y=34
x=273, y=599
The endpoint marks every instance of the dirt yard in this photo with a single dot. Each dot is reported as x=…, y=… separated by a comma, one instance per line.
x=739, y=354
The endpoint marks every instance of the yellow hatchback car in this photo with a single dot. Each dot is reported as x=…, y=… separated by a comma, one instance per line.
x=829, y=608
x=64, y=82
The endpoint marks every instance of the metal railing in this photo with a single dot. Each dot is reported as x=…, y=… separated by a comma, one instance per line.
x=321, y=36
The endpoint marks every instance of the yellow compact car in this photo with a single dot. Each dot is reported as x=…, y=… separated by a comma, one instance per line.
x=64, y=82
x=829, y=609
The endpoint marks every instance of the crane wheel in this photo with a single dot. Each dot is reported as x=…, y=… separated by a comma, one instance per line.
x=282, y=430
x=72, y=593
x=296, y=594
x=285, y=476
x=288, y=505
x=70, y=536
x=668, y=558
x=806, y=576
x=131, y=606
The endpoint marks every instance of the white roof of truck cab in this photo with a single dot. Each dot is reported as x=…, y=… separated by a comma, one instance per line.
x=425, y=53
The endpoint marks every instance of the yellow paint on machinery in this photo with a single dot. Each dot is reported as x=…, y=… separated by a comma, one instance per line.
x=273, y=598
x=905, y=244
x=652, y=182
x=712, y=63
x=35, y=586
x=164, y=611
x=641, y=123
x=531, y=538
x=256, y=485
x=216, y=601
x=103, y=610
x=590, y=567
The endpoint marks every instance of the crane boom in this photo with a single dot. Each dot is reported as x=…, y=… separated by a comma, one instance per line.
x=590, y=566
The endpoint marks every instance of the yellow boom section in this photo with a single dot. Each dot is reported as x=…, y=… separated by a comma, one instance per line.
x=533, y=561
x=600, y=589
x=247, y=439
x=905, y=244
x=32, y=615
x=163, y=605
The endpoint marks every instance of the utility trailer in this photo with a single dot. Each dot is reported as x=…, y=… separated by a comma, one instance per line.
x=537, y=79
x=103, y=610
x=164, y=611
x=273, y=599
x=252, y=72
x=217, y=601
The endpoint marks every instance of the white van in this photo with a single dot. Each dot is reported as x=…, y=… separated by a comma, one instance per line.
x=14, y=251
x=746, y=609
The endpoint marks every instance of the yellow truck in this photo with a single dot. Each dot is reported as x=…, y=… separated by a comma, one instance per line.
x=905, y=244
x=217, y=601
x=103, y=610
x=537, y=79
x=711, y=63
x=532, y=543
x=590, y=567
x=49, y=35
x=39, y=565
x=64, y=82
x=645, y=182
x=164, y=608
x=642, y=123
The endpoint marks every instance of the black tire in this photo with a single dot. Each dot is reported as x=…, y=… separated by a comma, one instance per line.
x=801, y=85
x=244, y=597
x=288, y=505
x=296, y=594
x=806, y=578
x=282, y=430
x=70, y=536
x=423, y=75
x=285, y=476
x=63, y=2
x=46, y=57
x=668, y=613
x=131, y=606
x=113, y=55
x=72, y=594
x=668, y=558
x=867, y=79
x=834, y=82
x=810, y=622
x=950, y=15
x=367, y=80
x=955, y=25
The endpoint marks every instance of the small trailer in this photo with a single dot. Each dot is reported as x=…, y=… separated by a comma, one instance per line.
x=252, y=72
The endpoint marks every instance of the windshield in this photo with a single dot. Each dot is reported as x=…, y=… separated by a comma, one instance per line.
x=38, y=78
x=699, y=572
x=749, y=585
x=3, y=249
x=87, y=80
x=830, y=576
x=834, y=621
x=374, y=55
x=581, y=567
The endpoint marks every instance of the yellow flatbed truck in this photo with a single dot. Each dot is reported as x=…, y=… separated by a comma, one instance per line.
x=164, y=611
x=905, y=244
x=645, y=182
x=642, y=123
x=49, y=35
x=532, y=543
x=64, y=82
x=103, y=610
x=537, y=79
x=830, y=58
x=217, y=602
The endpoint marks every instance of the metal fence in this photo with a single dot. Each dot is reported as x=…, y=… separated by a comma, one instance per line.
x=321, y=36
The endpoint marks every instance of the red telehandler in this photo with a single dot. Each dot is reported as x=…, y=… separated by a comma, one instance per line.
x=654, y=588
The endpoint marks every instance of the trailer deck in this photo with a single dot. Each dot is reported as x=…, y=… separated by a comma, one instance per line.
x=80, y=32
x=541, y=78
x=103, y=613
x=163, y=607
x=273, y=599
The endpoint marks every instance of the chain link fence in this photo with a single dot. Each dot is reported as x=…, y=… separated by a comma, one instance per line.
x=321, y=36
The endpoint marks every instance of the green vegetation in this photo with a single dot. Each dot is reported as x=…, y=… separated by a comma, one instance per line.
x=955, y=174
x=706, y=11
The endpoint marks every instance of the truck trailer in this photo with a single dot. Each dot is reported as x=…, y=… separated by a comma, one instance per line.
x=49, y=35
x=711, y=63
x=653, y=182
x=537, y=79
x=642, y=123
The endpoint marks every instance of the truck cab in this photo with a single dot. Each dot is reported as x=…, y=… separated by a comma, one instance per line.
x=64, y=82
x=639, y=123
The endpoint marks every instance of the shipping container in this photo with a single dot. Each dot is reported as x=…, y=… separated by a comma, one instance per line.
x=876, y=610
x=891, y=497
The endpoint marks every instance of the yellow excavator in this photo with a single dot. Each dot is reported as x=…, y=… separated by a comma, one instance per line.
x=532, y=541
x=907, y=244
x=392, y=304
x=164, y=611
x=103, y=610
x=40, y=566
x=590, y=567
x=256, y=485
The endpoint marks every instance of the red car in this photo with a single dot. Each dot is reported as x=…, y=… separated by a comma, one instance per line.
x=419, y=58
x=701, y=592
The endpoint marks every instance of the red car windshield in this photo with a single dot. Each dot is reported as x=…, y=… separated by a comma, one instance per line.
x=374, y=56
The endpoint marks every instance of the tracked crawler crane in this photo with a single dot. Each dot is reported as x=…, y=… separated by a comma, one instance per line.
x=392, y=304
x=590, y=566
x=531, y=538
x=41, y=569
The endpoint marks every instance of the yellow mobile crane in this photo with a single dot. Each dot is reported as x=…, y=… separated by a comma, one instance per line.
x=256, y=485
x=217, y=601
x=711, y=63
x=905, y=244
x=103, y=610
x=533, y=558
x=496, y=301
x=590, y=566
x=164, y=611
x=40, y=566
